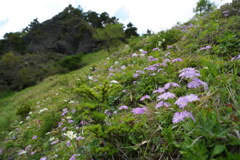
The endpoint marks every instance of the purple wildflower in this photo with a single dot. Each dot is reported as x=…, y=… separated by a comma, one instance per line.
x=64, y=128
x=32, y=153
x=54, y=142
x=235, y=58
x=135, y=75
x=21, y=152
x=168, y=85
x=180, y=116
x=68, y=143
x=34, y=137
x=166, y=60
x=150, y=58
x=123, y=107
x=167, y=54
x=124, y=91
x=205, y=48
x=1, y=151
x=177, y=60
x=159, y=70
x=156, y=65
x=64, y=113
x=139, y=110
x=70, y=121
x=79, y=138
x=169, y=47
x=162, y=103
x=134, y=55
x=107, y=112
x=189, y=73
x=151, y=68
x=14, y=137
x=73, y=157
x=196, y=83
x=28, y=147
x=154, y=49
x=159, y=90
x=145, y=97
x=163, y=64
x=166, y=96
x=123, y=67
x=144, y=52
x=60, y=124
x=183, y=101
x=73, y=110
x=111, y=69
x=83, y=122
x=141, y=72
x=192, y=98
x=43, y=158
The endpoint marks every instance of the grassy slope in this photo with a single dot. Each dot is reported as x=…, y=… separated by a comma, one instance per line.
x=45, y=89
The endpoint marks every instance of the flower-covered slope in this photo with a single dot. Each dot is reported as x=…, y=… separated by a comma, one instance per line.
x=153, y=99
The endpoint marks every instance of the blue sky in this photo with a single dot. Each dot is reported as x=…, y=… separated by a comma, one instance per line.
x=144, y=14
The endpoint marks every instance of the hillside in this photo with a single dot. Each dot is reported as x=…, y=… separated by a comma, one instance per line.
x=170, y=95
x=55, y=46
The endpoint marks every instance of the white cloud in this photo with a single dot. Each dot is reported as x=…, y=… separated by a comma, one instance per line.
x=144, y=14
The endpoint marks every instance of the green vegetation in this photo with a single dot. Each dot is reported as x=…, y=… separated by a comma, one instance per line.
x=204, y=6
x=53, y=47
x=170, y=95
x=111, y=35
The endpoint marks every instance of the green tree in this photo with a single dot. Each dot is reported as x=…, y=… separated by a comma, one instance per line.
x=111, y=35
x=93, y=18
x=131, y=30
x=204, y=6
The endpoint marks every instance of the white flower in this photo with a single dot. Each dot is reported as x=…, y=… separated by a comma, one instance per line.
x=90, y=78
x=71, y=102
x=142, y=55
x=108, y=58
x=30, y=113
x=21, y=122
x=116, y=62
x=141, y=50
x=70, y=134
x=42, y=110
x=52, y=139
x=69, y=117
x=114, y=81
x=48, y=133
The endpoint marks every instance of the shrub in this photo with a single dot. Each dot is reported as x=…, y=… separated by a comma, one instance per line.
x=24, y=110
x=71, y=62
x=48, y=122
